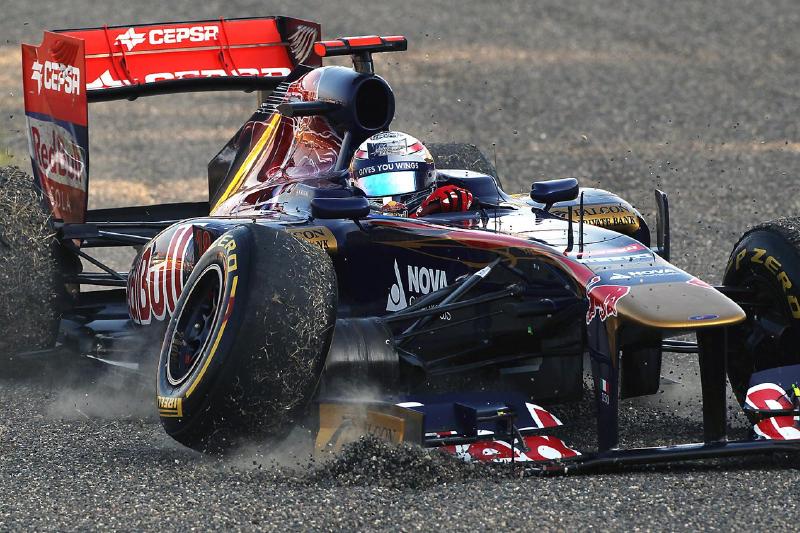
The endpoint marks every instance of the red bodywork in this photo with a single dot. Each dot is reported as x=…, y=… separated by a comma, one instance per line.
x=53, y=78
x=143, y=54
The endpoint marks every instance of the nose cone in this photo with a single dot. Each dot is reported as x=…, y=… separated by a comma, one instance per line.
x=681, y=305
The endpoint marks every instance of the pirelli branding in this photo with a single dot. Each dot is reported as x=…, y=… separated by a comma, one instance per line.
x=612, y=216
x=316, y=235
x=170, y=407
x=763, y=257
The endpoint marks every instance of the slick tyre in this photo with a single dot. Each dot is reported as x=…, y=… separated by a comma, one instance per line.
x=245, y=348
x=462, y=156
x=30, y=280
x=766, y=261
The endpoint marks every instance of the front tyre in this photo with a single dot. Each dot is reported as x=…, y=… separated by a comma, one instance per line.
x=462, y=156
x=246, y=345
x=766, y=262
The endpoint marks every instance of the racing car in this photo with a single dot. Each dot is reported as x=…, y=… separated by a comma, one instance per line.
x=286, y=292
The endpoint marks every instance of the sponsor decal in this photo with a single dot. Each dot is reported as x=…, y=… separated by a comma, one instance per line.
x=56, y=113
x=57, y=77
x=606, y=216
x=170, y=407
x=769, y=396
x=388, y=167
x=635, y=277
x=130, y=39
x=106, y=80
x=542, y=417
x=56, y=154
x=616, y=258
x=420, y=281
x=384, y=426
x=340, y=424
x=655, y=272
x=301, y=42
x=630, y=248
x=318, y=236
x=604, y=388
x=703, y=317
x=762, y=257
x=393, y=208
x=542, y=448
x=157, y=281
x=603, y=301
x=202, y=239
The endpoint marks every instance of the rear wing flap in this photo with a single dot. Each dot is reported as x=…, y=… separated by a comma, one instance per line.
x=224, y=54
x=73, y=67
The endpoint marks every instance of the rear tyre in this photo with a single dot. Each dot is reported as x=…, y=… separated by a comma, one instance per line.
x=766, y=260
x=245, y=348
x=462, y=156
x=30, y=279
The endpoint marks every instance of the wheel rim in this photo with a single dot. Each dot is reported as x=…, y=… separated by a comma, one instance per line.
x=196, y=322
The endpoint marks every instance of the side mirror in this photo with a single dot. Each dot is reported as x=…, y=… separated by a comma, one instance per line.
x=333, y=208
x=554, y=191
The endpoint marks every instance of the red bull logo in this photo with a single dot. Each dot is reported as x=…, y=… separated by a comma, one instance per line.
x=56, y=154
x=603, y=300
x=156, y=281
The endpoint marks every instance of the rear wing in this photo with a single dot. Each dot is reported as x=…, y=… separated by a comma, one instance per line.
x=71, y=68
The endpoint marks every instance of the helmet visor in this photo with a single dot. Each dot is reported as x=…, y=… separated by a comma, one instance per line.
x=392, y=183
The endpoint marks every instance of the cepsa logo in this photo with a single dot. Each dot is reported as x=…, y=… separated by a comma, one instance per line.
x=106, y=80
x=130, y=39
x=56, y=77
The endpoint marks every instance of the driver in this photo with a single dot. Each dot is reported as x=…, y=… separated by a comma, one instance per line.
x=396, y=172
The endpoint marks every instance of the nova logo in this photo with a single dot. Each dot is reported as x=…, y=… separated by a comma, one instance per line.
x=421, y=280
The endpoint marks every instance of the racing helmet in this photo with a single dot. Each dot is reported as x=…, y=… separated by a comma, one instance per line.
x=393, y=166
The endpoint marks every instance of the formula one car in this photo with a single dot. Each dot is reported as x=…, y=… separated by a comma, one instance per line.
x=286, y=291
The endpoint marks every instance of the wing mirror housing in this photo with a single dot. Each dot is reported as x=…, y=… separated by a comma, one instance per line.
x=353, y=207
x=553, y=191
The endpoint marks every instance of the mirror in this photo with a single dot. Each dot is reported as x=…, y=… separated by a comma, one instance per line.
x=554, y=191
x=333, y=208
